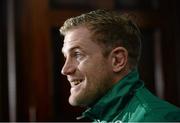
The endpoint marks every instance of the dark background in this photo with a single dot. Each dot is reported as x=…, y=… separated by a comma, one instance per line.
x=41, y=91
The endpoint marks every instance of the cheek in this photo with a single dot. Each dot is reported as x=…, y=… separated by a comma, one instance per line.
x=89, y=68
x=94, y=71
x=94, y=68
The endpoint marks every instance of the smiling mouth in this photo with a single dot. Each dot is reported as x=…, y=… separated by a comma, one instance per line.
x=75, y=86
x=75, y=83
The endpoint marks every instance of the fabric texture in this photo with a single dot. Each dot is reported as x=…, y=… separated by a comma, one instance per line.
x=130, y=101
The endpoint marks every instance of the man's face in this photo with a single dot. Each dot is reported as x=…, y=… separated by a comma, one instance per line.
x=87, y=70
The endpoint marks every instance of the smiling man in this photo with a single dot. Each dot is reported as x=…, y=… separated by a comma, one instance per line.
x=87, y=70
x=102, y=51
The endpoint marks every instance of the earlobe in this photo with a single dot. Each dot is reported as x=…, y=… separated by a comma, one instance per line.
x=119, y=58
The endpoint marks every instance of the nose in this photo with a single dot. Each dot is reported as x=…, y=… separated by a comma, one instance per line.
x=68, y=68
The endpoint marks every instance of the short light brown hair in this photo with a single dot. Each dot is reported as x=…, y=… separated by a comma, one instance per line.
x=110, y=29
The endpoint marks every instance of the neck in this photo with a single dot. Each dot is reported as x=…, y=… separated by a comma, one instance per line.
x=121, y=74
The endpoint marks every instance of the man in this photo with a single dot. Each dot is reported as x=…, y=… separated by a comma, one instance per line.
x=102, y=50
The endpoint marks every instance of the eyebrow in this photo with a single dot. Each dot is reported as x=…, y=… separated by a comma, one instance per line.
x=72, y=48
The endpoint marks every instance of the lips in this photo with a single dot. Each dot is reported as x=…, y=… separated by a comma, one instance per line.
x=75, y=86
x=75, y=82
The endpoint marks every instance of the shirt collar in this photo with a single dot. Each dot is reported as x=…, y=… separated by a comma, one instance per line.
x=115, y=99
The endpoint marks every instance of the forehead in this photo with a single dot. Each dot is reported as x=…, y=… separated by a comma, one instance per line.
x=79, y=38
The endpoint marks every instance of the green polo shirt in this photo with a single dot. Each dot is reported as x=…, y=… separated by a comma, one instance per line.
x=130, y=101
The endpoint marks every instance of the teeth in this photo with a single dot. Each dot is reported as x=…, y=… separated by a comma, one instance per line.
x=76, y=82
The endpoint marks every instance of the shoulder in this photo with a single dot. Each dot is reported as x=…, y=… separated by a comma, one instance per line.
x=145, y=107
x=154, y=108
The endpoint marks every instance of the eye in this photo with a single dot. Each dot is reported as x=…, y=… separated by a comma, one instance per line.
x=78, y=55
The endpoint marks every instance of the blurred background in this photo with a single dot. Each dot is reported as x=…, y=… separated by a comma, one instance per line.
x=31, y=86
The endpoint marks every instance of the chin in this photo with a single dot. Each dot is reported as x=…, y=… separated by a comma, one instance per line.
x=73, y=102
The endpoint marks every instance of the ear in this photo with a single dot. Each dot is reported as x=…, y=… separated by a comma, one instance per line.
x=119, y=57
